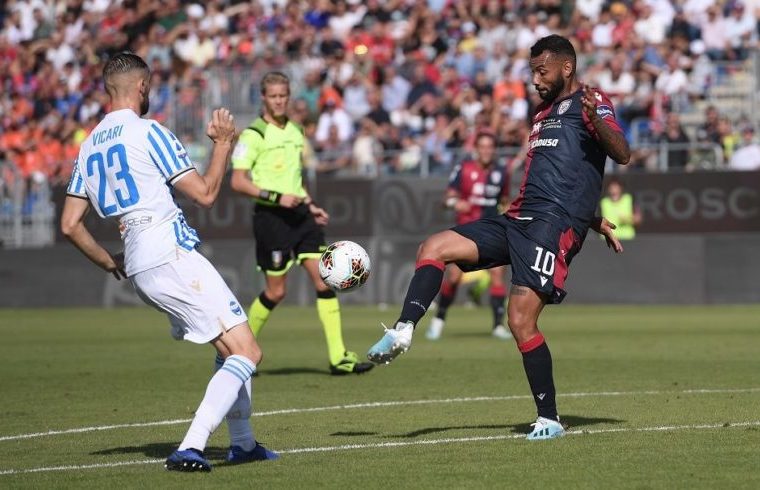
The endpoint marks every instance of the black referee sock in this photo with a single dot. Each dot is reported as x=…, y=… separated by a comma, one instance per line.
x=422, y=290
x=537, y=361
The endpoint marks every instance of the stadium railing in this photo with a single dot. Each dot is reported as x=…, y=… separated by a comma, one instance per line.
x=27, y=212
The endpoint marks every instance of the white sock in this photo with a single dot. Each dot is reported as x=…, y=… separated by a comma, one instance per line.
x=221, y=393
x=238, y=418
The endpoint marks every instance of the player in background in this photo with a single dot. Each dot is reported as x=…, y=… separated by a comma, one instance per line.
x=288, y=226
x=127, y=170
x=574, y=130
x=477, y=189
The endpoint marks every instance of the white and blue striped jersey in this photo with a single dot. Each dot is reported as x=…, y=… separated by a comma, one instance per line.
x=125, y=168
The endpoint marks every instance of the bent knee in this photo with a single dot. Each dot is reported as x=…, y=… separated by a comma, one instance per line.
x=432, y=248
x=276, y=293
x=520, y=322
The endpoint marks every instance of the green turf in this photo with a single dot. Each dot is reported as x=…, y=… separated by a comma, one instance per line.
x=616, y=368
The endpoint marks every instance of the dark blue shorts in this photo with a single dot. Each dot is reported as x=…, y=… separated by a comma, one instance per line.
x=539, y=251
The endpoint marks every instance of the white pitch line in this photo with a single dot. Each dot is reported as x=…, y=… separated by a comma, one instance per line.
x=285, y=411
x=382, y=445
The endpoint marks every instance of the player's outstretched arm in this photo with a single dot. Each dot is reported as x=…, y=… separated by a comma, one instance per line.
x=73, y=228
x=612, y=141
x=204, y=189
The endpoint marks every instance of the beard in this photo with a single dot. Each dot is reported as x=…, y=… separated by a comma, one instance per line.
x=553, y=91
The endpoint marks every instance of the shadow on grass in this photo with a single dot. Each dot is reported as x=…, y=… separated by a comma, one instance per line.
x=570, y=422
x=160, y=450
x=434, y=430
x=293, y=370
x=356, y=433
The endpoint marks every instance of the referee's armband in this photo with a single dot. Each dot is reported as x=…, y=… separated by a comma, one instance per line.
x=270, y=196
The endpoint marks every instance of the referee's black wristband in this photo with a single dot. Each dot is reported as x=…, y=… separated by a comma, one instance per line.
x=270, y=196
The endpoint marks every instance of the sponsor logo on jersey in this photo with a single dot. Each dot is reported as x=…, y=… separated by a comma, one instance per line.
x=126, y=223
x=564, y=106
x=551, y=142
x=604, y=111
x=235, y=308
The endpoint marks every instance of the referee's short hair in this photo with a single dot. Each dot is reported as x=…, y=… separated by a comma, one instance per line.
x=274, y=78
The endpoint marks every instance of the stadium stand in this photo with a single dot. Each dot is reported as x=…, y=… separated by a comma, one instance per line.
x=380, y=87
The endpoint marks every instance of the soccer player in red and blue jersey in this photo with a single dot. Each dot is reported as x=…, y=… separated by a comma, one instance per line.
x=477, y=189
x=574, y=131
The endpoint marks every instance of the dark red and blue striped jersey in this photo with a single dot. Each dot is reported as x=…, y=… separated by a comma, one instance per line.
x=564, y=165
x=482, y=187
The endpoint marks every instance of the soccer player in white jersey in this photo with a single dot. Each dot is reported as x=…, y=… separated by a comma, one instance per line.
x=126, y=170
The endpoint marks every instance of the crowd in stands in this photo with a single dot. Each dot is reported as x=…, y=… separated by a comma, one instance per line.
x=412, y=79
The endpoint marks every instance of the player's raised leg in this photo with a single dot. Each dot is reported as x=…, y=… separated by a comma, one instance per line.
x=342, y=361
x=445, y=299
x=525, y=305
x=432, y=257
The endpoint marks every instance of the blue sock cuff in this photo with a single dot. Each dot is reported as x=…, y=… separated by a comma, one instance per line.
x=240, y=366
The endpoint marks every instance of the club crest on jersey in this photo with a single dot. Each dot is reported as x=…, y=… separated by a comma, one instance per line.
x=276, y=258
x=536, y=128
x=495, y=177
x=564, y=106
x=235, y=308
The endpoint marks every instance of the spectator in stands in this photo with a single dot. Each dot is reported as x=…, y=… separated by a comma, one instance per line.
x=677, y=142
x=747, y=157
x=366, y=151
x=355, y=96
x=714, y=33
x=727, y=137
x=740, y=31
x=618, y=207
x=334, y=153
x=335, y=117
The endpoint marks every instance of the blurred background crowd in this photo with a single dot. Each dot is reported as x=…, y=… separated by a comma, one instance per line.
x=383, y=87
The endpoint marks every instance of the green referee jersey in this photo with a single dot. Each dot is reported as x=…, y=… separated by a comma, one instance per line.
x=273, y=156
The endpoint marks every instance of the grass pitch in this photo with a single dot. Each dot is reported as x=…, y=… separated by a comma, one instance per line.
x=655, y=397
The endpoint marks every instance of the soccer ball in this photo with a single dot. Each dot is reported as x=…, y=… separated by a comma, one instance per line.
x=344, y=266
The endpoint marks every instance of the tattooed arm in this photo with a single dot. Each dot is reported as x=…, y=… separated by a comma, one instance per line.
x=611, y=139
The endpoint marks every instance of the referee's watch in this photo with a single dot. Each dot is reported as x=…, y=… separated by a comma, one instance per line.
x=270, y=196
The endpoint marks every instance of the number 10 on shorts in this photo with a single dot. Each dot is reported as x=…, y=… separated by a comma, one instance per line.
x=544, y=262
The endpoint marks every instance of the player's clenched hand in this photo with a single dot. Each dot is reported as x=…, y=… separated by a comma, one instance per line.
x=289, y=201
x=589, y=102
x=320, y=215
x=221, y=127
x=605, y=227
x=117, y=267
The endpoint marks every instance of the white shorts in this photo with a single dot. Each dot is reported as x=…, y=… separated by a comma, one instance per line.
x=191, y=292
